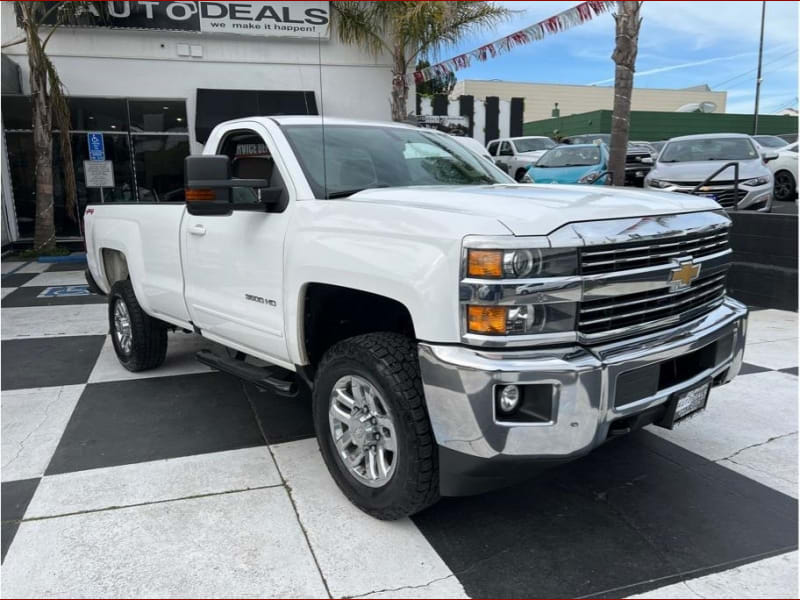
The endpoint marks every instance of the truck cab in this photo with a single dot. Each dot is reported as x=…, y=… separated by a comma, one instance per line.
x=517, y=154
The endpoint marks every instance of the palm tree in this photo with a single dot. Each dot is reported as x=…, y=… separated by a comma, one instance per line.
x=49, y=108
x=407, y=30
x=624, y=56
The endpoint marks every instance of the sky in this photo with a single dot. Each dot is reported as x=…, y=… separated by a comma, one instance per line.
x=681, y=44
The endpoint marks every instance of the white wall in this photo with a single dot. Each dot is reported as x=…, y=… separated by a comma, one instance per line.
x=145, y=64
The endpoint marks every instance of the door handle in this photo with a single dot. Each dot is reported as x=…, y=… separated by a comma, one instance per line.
x=197, y=230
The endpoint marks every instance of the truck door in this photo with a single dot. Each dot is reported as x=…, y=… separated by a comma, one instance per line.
x=233, y=264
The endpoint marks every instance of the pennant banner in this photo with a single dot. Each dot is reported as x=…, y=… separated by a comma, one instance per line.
x=571, y=17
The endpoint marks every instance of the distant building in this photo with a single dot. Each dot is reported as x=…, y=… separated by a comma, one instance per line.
x=789, y=111
x=540, y=98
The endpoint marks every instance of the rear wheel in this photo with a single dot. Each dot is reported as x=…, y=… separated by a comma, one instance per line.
x=520, y=174
x=785, y=186
x=372, y=426
x=139, y=340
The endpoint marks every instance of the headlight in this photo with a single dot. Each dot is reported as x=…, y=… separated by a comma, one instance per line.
x=590, y=177
x=755, y=181
x=524, y=319
x=522, y=263
x=659, y=183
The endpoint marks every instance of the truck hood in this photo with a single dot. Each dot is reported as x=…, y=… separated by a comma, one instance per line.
x=534, y=209
x=533, y=155
x=698, y=171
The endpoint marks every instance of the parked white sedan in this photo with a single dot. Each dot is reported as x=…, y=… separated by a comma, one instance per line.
x=784, y=169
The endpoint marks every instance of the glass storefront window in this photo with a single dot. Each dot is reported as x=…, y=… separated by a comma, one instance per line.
x=158, y=115
x=148, y=165
x=98, y=114
x=158, y=161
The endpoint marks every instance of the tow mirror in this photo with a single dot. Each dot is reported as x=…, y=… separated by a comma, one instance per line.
x=209, y=183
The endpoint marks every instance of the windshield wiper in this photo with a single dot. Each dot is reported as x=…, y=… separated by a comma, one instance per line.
x=347, y=193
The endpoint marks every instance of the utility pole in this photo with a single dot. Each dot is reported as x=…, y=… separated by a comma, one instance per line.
x=758, y=77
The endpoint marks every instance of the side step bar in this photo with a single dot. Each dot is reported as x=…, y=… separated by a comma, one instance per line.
x=274, y=379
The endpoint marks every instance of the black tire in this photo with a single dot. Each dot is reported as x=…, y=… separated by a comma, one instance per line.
x=785, y=186
x=389, y=362
x=519, y=175
x=148, y=347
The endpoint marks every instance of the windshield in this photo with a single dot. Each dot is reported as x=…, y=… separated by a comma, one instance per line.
x=708, y=149
x=588, y=138
x=366, y=156
x=533, y=144
x=570, y=156
x=770, y=141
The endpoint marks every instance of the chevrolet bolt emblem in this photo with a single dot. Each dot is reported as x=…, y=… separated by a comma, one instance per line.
x=683, y=275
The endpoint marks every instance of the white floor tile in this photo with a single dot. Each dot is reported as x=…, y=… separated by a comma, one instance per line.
x=747, y=412
x=35, y=267
x=774, y=577
x=774, y=464
x=59, y=278
x=245, y=544
x=33, y=422
x=780, y=354
x=6, y=291
x=154, y=481
x=10, y=265
x=180, y=360
x=389, y=555
x=53, y=321
x=770, y=325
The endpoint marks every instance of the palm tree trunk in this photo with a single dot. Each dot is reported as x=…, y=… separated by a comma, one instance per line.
x=399, y=86
x=624, y=56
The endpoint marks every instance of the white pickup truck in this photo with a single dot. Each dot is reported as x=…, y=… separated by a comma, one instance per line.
x=457, y=330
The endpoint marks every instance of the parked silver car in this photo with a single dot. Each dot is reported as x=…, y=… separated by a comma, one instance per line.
x=686, y=162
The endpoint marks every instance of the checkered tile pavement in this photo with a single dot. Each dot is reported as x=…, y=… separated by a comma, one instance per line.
x=185, y=482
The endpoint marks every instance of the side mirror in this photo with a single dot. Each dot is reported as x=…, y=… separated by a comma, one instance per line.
x=647, y=160
x=768, y=156
x=208, y=187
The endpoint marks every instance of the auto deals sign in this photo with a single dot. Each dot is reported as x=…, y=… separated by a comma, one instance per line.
x=265, y=19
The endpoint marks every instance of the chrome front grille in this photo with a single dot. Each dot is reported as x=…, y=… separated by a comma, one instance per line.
x=607, y=315
x=612, y=258
x=729, y=198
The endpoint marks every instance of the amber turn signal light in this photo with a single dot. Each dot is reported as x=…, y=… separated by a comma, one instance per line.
x=485, y=263
x=488, y=320
x=200, y=195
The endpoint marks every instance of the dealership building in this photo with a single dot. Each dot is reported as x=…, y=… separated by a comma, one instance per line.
x=153, y=78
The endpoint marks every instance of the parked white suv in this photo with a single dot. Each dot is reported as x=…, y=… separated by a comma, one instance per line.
x=686, y=163
x=457, y=330
x=516, y=155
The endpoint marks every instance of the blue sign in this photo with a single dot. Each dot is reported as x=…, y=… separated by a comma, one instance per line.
x=97, y=149
x=61, y=291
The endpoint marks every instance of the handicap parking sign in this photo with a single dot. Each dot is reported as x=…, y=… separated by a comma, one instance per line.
x=97, y=148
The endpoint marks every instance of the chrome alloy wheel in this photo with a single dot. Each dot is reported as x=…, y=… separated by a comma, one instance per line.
x=363, y=431
x=122, y=327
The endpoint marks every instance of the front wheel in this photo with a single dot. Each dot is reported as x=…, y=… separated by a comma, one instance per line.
x=372, y=425
x=140, y=341
x=785, y=186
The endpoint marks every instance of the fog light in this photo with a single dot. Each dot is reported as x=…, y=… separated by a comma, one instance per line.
x=509, y=398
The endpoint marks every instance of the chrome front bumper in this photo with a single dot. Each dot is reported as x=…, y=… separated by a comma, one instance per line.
x=459, y=384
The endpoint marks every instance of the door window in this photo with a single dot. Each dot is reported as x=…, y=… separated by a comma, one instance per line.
x=492, y=149
x=251, y=159
x=506, y=150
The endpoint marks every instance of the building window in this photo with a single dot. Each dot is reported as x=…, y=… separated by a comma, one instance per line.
x=146, y=140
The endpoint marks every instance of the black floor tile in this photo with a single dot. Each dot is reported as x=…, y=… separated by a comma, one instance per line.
x=282, y=419
x=748, y=369
x=67, y=266
x=29, y=296
x=638, y=513
x=14, y=499
x=47, y=362
x=790, y=371
x=126, y=422
x=16, y=279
